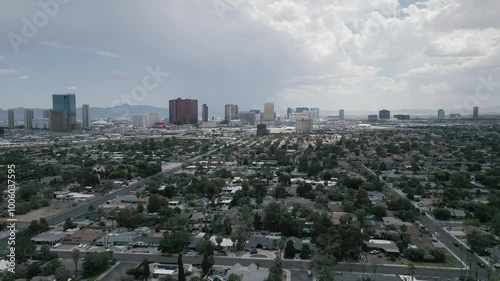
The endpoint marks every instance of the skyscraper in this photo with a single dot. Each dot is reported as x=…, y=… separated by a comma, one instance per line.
x=230, y=112
x=85, y=116
x=12, y=123
x=384, y=114
x=183, y=111
x=288, y=112
x=441, y=114
x=46, y=113
x=475, y=112
x=341, y=114
x=269, y=111
x=204, y=112
x=301, y=109
x=315, y=111
x=28, y=118
x=63, y=106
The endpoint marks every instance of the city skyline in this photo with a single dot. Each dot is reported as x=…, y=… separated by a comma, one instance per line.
x=248, y=56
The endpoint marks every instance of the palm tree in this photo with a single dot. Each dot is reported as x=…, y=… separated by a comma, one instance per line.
x=76, y=258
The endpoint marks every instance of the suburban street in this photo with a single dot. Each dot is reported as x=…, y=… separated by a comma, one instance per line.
x=444, y=237
x=298, y=267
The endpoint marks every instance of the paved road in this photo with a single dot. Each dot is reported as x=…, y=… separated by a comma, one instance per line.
x=82, y=208
x=447, y=239
x=297, y=266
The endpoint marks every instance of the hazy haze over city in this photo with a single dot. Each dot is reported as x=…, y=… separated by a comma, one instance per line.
x=363, y=55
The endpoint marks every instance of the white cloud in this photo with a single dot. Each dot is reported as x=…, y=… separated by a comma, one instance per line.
x=71, y=88
x=96, y=51
x=24, y=77
x=7, y=71
x=118, y=75
x=435, y=89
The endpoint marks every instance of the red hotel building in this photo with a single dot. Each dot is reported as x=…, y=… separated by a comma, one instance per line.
x=183, y=111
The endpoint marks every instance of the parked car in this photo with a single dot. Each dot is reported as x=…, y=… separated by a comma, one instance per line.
x=455, y=244
x=309, y=273
x=252, y=252
x=374, y=252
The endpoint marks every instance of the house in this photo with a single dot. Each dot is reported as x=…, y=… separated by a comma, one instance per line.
x=249, y=273
x=85, y=236
x=147, y=241
x=388, y=221
x=43, y=278
x=160, y=271
x=49, y=237
x=116, y=239
x=226, y=243
x=388, y=247
x=457, y=214
x=259, y=241
x=299, y=243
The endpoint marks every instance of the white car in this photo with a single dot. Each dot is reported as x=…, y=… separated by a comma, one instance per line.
x=374, y=252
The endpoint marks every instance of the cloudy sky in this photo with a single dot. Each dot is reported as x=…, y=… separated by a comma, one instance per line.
x=331, y=54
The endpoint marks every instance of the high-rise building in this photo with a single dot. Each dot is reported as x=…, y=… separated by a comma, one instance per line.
x=12, y=122
x=288, y=112
x=151, y=119
x=315, y=112
x=65, y=103
x=58, y=120
x=372, y=118
x=230, y=112
x=247, y=117
x=41, y=123
x=384, y=114
x=138, y=121
x=475, y=112
x=341, y=114
x=204, y=112
x=85, y=116
x=301, y=109
x=441, y=114
x=402, y=116
x=183, y=111
x=46, y=113
x=269, y=112
x=302, y=115
x=28, y=118
x=304, y=125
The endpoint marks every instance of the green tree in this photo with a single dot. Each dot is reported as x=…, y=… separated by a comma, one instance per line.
x=76, y=258
x=305, y=252
x=438, y=254
x=33, y=270
x=276, y=270
x=145, y=272
x=175, y=242
x=219, y=240
x=207, y=263
x=95, y=263
x=155, y=203
x=62, y=274
x=140, y=208
x=180, y=272
x=68, y=224
x=233, y=277
x=289, y=250
x=322, y=263
x=25, y=248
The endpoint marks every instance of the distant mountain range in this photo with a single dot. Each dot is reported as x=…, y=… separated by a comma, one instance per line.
x=96, y=112
x=129, y=110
